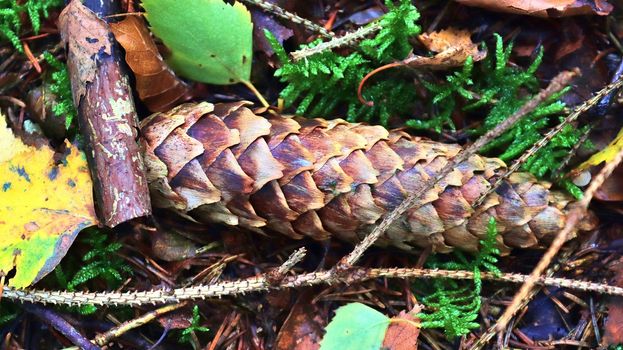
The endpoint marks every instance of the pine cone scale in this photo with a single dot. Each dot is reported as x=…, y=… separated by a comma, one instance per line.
x=318, y=178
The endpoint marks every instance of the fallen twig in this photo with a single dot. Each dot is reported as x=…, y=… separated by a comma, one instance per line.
x=525, y=294
x=337, y=42
x=113, y=333
x=55, y=321
x=573, y=219
x=263, y=283
x=584, y=107
x=106, y=113
x=289, y=16
x=558, y=172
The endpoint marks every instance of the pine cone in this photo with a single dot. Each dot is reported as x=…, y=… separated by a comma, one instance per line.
x=321, y=178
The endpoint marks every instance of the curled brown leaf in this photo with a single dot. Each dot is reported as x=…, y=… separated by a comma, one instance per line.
x=453, y=47
x=156, y=84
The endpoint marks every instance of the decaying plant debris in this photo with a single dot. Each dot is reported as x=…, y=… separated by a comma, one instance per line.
x=468, y=198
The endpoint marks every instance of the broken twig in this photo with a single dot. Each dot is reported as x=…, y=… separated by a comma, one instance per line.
x=263, y=283
x=106, y=113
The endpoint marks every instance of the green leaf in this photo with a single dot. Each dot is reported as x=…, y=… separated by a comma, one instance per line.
x=357, y=327
x=210, y=40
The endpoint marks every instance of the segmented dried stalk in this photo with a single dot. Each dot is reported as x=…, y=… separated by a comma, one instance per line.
x=264, y=282
x=312, y=177
x=291, y=17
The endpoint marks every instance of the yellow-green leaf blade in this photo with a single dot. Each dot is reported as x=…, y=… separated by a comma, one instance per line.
x=210, y=40
x=605, y=155
x=43, y=206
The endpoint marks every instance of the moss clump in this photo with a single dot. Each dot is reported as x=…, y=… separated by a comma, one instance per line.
x=497, y=90
x=326, y=83
x=10, y=17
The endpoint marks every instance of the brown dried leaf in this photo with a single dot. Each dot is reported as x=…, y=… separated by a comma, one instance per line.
x=614, y=323
x=156, y=84
x=544, y=8
x=403, y=331
x=86, y=35
x=453, y=47
x=168, y=245
x=611, y=190
x=303, y=329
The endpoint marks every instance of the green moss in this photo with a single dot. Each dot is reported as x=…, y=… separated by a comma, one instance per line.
x=8, y=312
x=100, y=262
x=10, y=17
x=60, y=85
x=455, y=305
x=326, y=84
x=495, y=89
x=195, y=327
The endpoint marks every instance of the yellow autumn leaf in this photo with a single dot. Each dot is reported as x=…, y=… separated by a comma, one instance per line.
x=43, y=206
x=605, y=155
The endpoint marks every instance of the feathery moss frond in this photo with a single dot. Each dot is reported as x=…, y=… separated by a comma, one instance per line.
x=195, y=326
x=99, y=262
x=60, y=85
x=327, y=82
x=456, y=305
x=10, y=21
x=497, y=90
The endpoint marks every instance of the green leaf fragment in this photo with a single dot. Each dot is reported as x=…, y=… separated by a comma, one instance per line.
x=355, y=327
x=210, y=40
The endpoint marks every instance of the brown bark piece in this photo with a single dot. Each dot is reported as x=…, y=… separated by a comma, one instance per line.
x=106, y=115
x=86, y=37
x=340, y=179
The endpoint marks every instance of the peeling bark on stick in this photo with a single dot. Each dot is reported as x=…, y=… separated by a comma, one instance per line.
x=106, y=112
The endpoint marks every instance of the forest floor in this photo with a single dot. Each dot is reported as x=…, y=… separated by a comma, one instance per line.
x=489, y=218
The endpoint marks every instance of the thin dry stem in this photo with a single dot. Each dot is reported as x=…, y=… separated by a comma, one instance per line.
x=588, y=104
x=289, y=16
x=116, y=332
x=294, y=259
x=262, y=283
x=525, y=294
x=558, y=172
x=336, y=42
x=492, y=331
x=571, y=226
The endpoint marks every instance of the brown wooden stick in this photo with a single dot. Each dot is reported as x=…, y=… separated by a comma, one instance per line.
x=573, y=220
x=106, y=112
